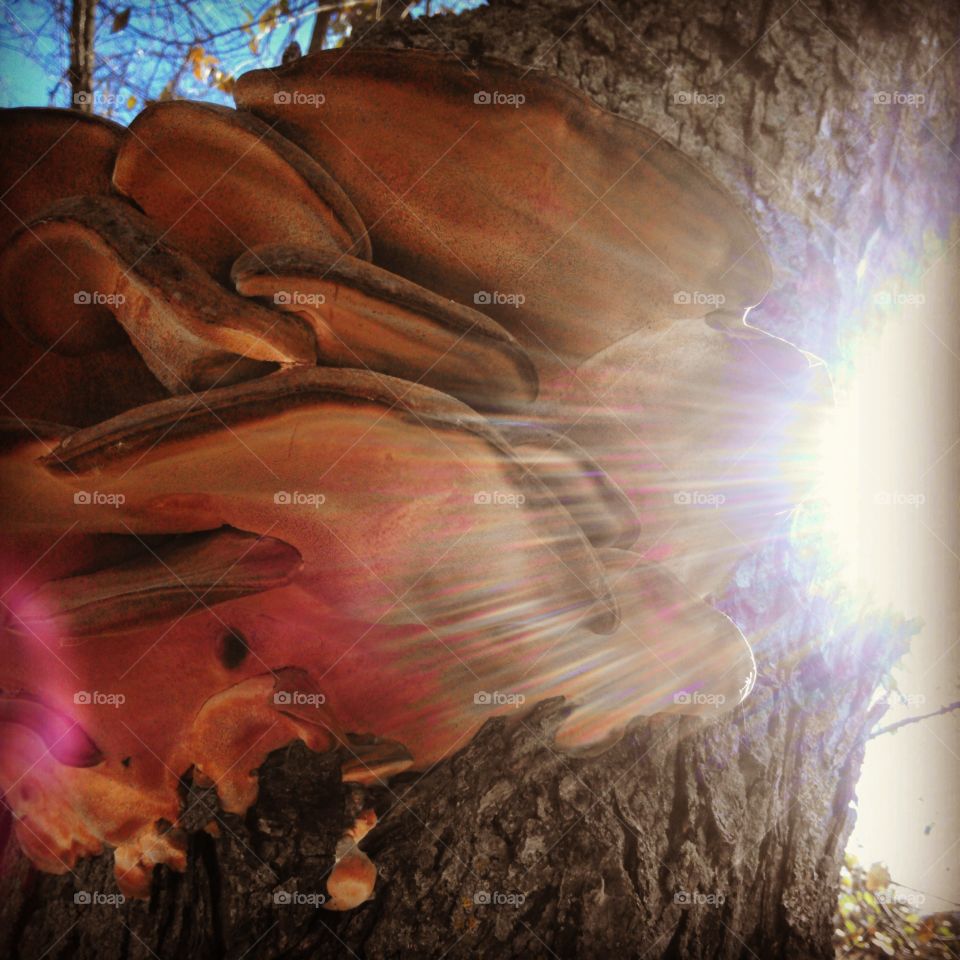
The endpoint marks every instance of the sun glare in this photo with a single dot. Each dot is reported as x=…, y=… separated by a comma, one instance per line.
x=871, y=481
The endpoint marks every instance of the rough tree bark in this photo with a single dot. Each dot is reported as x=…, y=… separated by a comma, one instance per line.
x=681, y=841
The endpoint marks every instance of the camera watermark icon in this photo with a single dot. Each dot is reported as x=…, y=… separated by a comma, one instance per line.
x=685, y=698
x=496, y=698
x=889, y=98
x=686, y=898
x=696, y=498
x=296, y=298
x=94, y=698
x=497, y=98
x=887, y=298
x=498, y=498
x=89, y=98
x=94, y=298
x=294, y=898
x=694, y=98
x=686, y=298
x=298, y=698
x=495, y=298
x=494, y=898
x=896, y=498
x=299, y=98
x=94, y=898
x=284, y=498
x=95, y=498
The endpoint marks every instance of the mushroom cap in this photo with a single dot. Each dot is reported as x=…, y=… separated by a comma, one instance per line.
x=220, y=181
x=376, y=478
x=710, y=431
x=92, y=272
x=62, y=736
x=597, y=222
x=351, y=881
x=50, y=155
x=168, y=580
x=364, y=316
x=599, y=506
x=673, y=653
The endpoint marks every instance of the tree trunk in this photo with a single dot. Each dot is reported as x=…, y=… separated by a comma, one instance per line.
x=718, y=841
x=80, y=72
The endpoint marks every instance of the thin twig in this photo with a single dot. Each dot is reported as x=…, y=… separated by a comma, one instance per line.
x=924, y=716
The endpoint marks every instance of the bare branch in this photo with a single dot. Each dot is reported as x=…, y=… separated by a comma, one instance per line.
x=924, y=716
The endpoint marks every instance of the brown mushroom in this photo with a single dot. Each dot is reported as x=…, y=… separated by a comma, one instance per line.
x=673, y=653
x=92, y=271
x=364, y=316
x=576, y=226
x=710, y=430
x=369, y=759
x=351, y=881
x=331, y=550
x=50, y=155
x=219, y=182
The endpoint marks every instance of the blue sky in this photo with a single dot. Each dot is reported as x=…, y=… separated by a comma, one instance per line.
x=137, y=60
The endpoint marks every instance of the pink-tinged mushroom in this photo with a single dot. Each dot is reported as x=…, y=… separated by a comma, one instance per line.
x=404, y=503
x=209, y=691
x=219, y=182
x=366, y=317
x=576, y=227
x=165, y=581
x=92, y=272
x=346, y=556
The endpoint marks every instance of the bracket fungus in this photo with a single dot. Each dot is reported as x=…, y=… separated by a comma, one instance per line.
x=219, y=182
x=370, y=516
x=364, y=316
x=722, y=442
x=50, y=155
x=534, y=192
x=91, y=271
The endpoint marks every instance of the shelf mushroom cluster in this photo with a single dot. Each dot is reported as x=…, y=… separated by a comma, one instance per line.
x=373, y=408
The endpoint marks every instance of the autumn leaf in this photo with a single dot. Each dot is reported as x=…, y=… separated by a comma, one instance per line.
x=120, y=20
x=201, y=62
x=878, y=878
